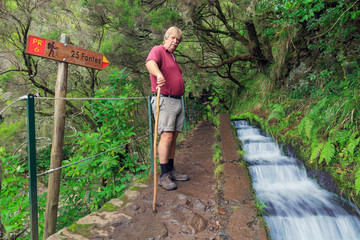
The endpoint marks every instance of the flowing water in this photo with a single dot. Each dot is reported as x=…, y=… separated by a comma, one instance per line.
x=297, y=207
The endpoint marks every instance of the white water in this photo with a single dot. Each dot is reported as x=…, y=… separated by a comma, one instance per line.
x=298, y=207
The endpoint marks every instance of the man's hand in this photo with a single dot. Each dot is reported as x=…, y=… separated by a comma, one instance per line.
x=160, y=80
x=153, y=68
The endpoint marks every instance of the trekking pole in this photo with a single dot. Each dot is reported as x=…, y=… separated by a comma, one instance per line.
x=155, y=145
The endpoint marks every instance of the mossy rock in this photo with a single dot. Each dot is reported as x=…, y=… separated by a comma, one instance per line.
x=82, y=229
x=135, y=188
x=144, y=180
x=108, y=207
x=124, y=200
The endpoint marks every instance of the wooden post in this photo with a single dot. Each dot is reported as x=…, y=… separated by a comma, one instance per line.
x=57, y=147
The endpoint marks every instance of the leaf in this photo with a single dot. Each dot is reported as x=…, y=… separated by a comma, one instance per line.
x=327, y=152
x=316, y=151
x=277, y=112
x=357, y=182
x=306, y=126
x=353, y=143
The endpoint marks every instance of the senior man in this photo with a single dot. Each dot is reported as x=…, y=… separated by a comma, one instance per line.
x=165, y=72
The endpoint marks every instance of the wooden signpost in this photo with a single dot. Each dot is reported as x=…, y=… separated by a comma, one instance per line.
x=64, y=53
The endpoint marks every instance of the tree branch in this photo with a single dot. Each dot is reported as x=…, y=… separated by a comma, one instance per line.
x=14, y=70
x=228, y=61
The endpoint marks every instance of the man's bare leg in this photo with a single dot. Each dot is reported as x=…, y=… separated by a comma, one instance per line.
x=166, y=146
x=173, y=146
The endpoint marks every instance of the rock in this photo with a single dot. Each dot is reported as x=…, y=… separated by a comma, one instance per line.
x=187, y=229
x=132, y=207
x=173, y=217
x=197, y=222
x=100, y=234
x=131, y=194
x=156, y=231
x=141, y=185
x=105, y=218
x=117, y=202
x=199, y=205
x=121, y=220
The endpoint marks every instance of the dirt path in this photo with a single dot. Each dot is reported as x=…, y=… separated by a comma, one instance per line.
x=201, y=208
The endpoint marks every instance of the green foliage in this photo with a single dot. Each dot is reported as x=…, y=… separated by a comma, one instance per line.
x=333, y=18
x=217, y=157
x=277, y=112
x=252, y=117
x=357, y=182
x=89, y=184
x=261, y=207
x=161, y=17
x=316, y=149
x=305, y=127
x=8, y=131
x=328, y=152
x=14, y=198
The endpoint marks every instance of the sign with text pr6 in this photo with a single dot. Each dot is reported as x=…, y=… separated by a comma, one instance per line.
x=65, y=53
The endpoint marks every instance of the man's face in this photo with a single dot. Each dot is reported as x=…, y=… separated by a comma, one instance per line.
x=172, y=42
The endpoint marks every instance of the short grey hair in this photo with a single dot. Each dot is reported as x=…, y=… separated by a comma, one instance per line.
x=173, y=30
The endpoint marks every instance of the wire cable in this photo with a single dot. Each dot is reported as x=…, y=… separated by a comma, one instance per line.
x=81, y=99
x=83, y=160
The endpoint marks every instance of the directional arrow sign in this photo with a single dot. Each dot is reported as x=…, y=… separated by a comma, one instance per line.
x=65, y=53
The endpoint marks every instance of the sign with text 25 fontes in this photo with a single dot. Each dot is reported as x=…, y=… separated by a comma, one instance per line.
x=65, y=53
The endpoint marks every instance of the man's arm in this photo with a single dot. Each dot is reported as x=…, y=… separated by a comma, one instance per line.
x=153, y=69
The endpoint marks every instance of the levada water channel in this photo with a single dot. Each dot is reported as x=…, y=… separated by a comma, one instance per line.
x=297, y=207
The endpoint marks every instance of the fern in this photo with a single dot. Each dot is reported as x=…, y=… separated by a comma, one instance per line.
x=306, y=126
x=352, y=144
x=277, y=112
x=357, y=182
x=316, y=151
x=328, y=152
x=340, y=136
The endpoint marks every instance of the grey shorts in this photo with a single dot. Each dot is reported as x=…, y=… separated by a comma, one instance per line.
x=171, y=115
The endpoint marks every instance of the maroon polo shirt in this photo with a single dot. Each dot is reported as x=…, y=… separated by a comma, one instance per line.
x=170, y=69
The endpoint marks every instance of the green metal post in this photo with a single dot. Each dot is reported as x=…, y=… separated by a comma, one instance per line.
x=151, y=136
x=32, y=167
x=183, y=104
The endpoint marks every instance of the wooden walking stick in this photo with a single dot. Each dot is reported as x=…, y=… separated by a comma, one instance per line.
x=155, y=145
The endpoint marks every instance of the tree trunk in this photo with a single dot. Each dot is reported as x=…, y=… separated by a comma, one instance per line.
x=255, y=46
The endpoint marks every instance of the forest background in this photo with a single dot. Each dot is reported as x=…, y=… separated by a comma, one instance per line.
x=290, y=66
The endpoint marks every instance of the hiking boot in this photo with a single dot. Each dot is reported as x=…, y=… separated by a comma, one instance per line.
x=166, y=183
x=176, y=176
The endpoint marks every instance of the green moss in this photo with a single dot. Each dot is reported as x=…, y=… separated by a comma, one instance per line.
x=108, y=207
x=82, y=229
x=135, y=188
x=144, y=180
x=124, y=200
x=219, y=169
